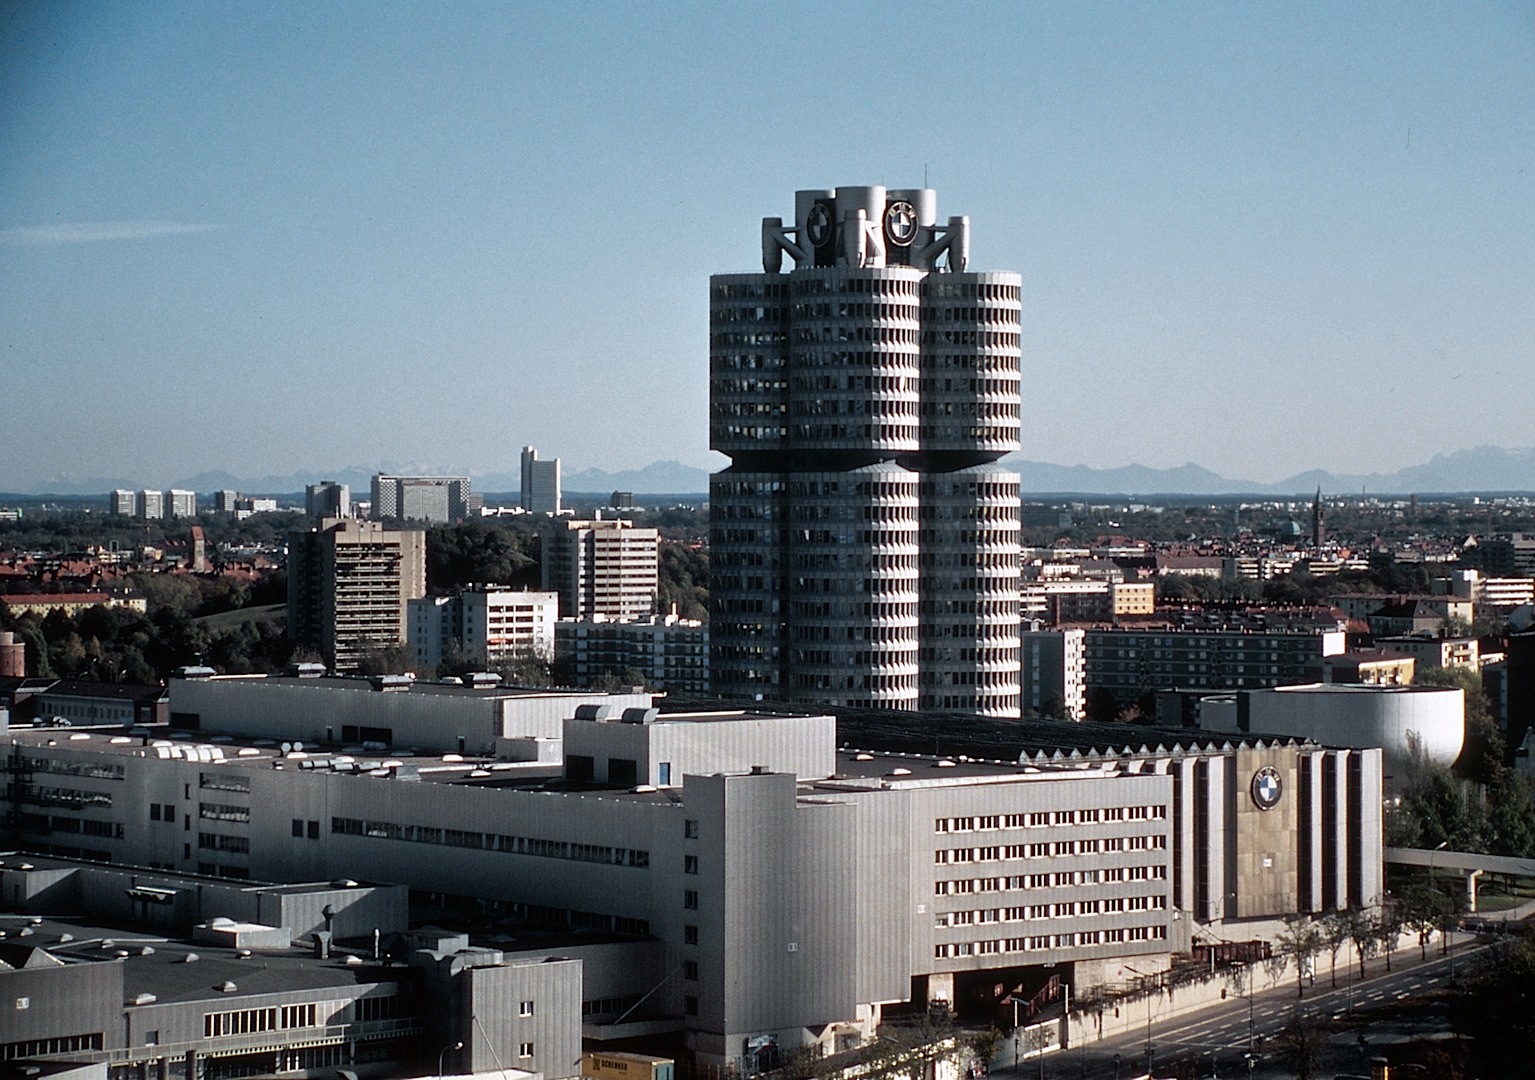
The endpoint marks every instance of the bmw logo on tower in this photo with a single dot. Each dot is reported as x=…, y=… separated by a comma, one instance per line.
x=1267, y=787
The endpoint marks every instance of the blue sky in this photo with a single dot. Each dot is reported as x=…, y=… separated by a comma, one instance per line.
x=284, y=236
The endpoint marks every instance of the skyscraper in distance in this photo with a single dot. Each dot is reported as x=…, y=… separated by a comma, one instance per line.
x=864, y=540
x=540, y=493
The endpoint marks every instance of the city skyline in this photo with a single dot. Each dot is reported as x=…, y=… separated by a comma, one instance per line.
x=273, y=239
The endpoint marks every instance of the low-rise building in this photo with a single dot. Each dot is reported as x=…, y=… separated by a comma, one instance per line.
x=490, y=625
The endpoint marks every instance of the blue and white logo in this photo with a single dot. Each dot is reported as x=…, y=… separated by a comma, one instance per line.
x=1267, y=787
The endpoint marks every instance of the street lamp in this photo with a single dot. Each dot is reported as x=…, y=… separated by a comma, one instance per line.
x=1149, y=1046
x=443, y=1053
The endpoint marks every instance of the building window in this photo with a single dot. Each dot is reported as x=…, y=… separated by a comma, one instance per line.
x=690, y=970
x=690, y=1004
x=525, y=1008
x=690, y=829
x=525, y=1049
x=298, y=828
x=690, y=935
x=690, y=899
x=690, y=864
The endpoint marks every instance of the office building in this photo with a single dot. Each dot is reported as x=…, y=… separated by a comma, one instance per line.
x=736, y=875
x=662, y=652
x=540, y=492
x=864, y=540
x=437, y=499
x=348, y=584
x=327, y=499
x=600, y=567
x=488, y=625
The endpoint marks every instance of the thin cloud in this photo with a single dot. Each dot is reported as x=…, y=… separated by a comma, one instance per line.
x=90, y=232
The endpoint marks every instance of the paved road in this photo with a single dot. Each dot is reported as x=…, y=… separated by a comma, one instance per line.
x=1218, y=1036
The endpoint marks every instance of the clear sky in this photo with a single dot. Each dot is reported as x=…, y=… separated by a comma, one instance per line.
x=271, y=237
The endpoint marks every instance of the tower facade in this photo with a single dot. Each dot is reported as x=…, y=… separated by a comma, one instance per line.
x=864, y=540
x=540, y=492
x=348, y=586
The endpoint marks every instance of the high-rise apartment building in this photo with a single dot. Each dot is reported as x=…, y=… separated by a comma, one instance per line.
x=420, y=498
x=864, y=540
x=180, y=504
x=348, y=584
x=601, y=567
x=149, y=505
x=327, y=499
x=540, y=493
x=123, y=502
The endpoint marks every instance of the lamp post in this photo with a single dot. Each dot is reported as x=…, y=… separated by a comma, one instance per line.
x=456, y=1046
x=1149, y=1045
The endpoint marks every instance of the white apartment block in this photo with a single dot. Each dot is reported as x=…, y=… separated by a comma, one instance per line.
x=492, y=625
x=601, y=567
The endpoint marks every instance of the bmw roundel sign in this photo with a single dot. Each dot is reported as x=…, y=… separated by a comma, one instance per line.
x=1267, y=787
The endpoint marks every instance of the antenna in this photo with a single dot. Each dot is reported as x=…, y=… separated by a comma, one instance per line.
x=924, y=174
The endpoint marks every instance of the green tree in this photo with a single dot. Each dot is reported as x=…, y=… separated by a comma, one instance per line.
x=1496, y=1008
x=1482, y=757
x=1299, y=942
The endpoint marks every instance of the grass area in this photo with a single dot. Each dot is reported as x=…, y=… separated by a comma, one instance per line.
x=275, y=615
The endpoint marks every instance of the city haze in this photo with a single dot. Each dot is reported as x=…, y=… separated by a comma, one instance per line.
x=263, y=240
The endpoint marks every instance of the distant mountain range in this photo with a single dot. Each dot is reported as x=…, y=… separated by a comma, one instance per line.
x=1483, y=469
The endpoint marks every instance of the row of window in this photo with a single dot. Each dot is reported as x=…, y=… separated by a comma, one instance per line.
x=1046, y=850
x=1055, y=880
x=1063, y=909
x=1040, y=819
x=1041, y=942
x=75, y=768
x=512, y=845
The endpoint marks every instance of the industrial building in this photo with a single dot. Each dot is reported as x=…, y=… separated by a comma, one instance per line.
x=761, y=881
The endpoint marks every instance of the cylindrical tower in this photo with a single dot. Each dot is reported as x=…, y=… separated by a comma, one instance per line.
x=863, y=397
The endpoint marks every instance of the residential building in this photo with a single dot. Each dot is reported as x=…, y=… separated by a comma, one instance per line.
x=489, y=624
x=180, y=504
x=663, y=652
x=864, y=539
x=224, y=501
x=1130, y=662
x=149, y=505
x=1369, y=667
x=123, y=502
x=1429, y=651
x=1054, y=673
x=348, y=584
x=540, y=492
x=420, y=498
x=327, y=499
x=72, y=604
x=601, y=566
